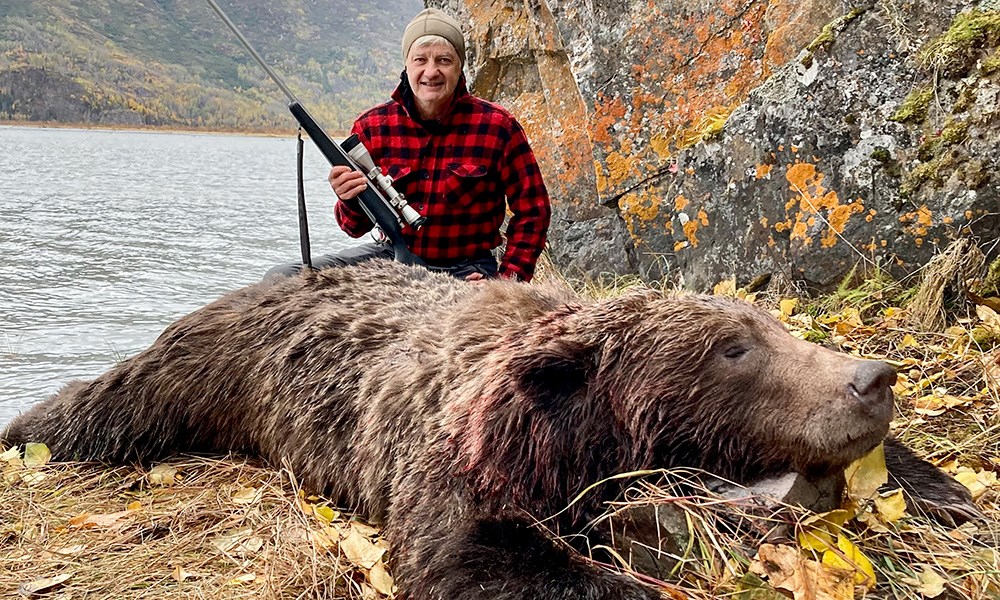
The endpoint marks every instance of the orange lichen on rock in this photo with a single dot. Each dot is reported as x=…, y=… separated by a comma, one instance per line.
x=763, y=171
x=638, y=207
x=837, y=219
x=681, y=203
x=924, y=220
x=691, y=232
x=917, y=223
x=810, y=200
x=618, y=166
x=607, y=113
x=691, y=226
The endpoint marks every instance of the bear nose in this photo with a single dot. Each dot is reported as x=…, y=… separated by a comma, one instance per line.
x=871, y=380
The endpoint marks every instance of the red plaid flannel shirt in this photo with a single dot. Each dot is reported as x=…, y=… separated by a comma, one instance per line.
x=461, y=173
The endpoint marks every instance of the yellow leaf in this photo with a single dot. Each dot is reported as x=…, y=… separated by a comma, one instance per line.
x=242, y=579
x=788, y=306
x=179, y=574
x=70, y=550
x=818, y=532
x=929, y=405
x=866, y=475
x=956, y=331
x=86, y=521
x=239, y=541
x=360, y=551
x=851, y=559
x=36, y=455
x=10, y=455
x=325, y=513
x=908, y=341
x=325, y=539
x=890, y=507
x=162, y=474
x=33, y=477
x=381, y=580
x=726, y=287
x=133, y=506
x=977, y=483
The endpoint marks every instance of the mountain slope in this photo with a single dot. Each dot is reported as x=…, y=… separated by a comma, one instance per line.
x=173, y=62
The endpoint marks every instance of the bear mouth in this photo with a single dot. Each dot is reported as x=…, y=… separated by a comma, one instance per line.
x=870, y=429
x=857, y=444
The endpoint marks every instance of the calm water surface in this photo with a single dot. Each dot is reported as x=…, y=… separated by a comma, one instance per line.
x=106, y=237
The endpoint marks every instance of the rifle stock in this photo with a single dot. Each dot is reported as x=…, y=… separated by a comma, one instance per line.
x=371, y=200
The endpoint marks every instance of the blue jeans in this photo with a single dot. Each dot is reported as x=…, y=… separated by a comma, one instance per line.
x=485, y=264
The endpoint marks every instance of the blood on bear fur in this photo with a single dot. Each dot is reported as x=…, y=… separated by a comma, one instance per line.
x=457, y=414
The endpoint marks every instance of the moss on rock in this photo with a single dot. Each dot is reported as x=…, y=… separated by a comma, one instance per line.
x=954, y=132
x=990, y=64
x=914, y=108
x=955, y=51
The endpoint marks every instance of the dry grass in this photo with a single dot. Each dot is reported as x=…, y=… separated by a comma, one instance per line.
x=226, y=529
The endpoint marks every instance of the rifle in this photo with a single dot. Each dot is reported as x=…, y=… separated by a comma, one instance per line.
x=386, y=207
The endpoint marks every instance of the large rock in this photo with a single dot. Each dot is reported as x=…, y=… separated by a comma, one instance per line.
x=705, y=140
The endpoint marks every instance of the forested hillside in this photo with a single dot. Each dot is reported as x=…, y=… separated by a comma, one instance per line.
x=173, y=62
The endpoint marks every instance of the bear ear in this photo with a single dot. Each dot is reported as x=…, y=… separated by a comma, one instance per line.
x=550, y=372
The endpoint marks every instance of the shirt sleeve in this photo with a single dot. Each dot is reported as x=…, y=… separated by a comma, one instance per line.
x=349, y=214
x=529, y=205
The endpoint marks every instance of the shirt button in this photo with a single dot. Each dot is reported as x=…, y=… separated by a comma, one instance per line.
x=419, y=206
x=427, y=175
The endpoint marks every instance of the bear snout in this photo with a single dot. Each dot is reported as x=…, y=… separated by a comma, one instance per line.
x=872, y=386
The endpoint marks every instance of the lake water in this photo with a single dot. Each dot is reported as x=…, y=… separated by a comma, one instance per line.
x=106, y=237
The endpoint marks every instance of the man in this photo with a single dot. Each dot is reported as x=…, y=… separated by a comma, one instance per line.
x=459, y=160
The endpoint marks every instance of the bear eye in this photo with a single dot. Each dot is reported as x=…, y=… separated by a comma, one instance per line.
x=735, y=351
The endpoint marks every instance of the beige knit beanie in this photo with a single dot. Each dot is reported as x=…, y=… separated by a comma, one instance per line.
x=432, y=21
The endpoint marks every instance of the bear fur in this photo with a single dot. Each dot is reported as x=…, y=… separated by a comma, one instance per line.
x=459, y=414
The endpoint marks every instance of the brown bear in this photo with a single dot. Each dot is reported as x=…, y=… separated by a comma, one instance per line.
x=458, y=414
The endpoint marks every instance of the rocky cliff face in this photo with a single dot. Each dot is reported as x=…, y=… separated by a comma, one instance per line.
x=703, y=140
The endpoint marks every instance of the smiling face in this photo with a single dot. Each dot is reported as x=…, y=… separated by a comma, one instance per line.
x=433, y=71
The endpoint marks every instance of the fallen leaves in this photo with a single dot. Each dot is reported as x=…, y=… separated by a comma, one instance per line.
x=239, y=542
x=360, y=550
x=162, y=474
x=866, y=475
x=26, y=469
x=978, y=482
x=46, y=584
x=246, y=496
x=359, y=542
x=785, y=568
x=927, y=582
x=36, y=455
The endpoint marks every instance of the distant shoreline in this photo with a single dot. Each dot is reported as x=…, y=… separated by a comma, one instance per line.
x=162, y=129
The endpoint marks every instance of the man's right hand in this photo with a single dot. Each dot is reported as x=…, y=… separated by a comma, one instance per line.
x=346, y=182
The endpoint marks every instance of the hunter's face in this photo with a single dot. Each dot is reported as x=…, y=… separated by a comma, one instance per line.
x=433, y=72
